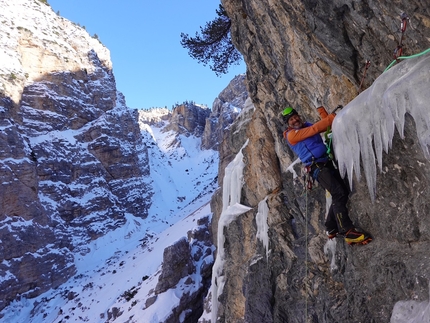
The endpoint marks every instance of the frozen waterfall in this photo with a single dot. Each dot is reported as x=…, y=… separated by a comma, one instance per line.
x=232, y=187
x=365, y=127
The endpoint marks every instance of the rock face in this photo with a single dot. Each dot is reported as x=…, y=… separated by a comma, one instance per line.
x=72, y=161
x=177, y=263
x=307, y=53
x=187, y=265
x=225, y=109
x=188, y=118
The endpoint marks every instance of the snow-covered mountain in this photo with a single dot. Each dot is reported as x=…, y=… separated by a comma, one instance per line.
x=73, y=165
x=121, y=276
x=102, y=217
x=180, y=171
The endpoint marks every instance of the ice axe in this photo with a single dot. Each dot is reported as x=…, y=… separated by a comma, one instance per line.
x=340, y=106
x=328, y=136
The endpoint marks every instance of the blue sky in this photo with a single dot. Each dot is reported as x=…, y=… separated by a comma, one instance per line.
x=151, y=67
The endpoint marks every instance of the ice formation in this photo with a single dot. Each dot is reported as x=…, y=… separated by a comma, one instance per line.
x=262, y=226
x=232, y=187
x=365, y=127
x=330, y=252
x=411, y=312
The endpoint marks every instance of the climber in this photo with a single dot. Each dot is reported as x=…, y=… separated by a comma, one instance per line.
x=305, y=140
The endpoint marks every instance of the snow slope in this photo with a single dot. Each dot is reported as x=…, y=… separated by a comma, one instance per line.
x=120, y=270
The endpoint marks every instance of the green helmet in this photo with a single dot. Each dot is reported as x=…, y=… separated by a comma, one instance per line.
x=287, y=113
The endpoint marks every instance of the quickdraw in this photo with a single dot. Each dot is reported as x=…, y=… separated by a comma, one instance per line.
x=308, y=179
x=403, y=25
x=366, y=67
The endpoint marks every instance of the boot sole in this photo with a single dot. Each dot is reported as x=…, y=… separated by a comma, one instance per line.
x=364, y=242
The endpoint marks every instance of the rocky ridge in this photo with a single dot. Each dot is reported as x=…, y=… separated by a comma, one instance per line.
x=188, y=118
x=75, y=165
x=225, y=109
x=189, y=260
x=72, y=158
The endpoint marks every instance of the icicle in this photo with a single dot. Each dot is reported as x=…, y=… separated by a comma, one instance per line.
x=330, y=246
x=290, y=167
x=262, y=226
x=365, y=127
x=232, y=187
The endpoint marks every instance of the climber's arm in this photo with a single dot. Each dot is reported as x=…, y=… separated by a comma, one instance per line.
x=295, y=136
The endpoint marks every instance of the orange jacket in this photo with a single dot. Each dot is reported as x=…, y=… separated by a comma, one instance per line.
x=296, y=135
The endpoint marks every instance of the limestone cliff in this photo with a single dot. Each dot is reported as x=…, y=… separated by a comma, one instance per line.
x=225, y=109
x=72, y=162
x=188, y=118
x=307, y=53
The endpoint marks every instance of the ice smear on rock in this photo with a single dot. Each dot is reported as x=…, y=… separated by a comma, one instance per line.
x=411, y=312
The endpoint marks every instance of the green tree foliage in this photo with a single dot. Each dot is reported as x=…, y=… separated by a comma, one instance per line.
x=214, y=44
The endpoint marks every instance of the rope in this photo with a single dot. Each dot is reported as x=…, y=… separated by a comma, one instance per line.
x=406, y=57
x=306, y=258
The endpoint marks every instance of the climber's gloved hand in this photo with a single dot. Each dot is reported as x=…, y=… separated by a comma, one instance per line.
x=317, y=101
x=322, y=111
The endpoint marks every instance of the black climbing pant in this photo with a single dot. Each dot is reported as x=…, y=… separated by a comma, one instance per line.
x=329, y=178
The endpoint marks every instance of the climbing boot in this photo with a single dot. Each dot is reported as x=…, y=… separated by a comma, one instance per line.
x=331, y=234
x=353, y=236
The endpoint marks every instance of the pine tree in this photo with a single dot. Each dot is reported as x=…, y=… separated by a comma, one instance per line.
x=214, y=44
